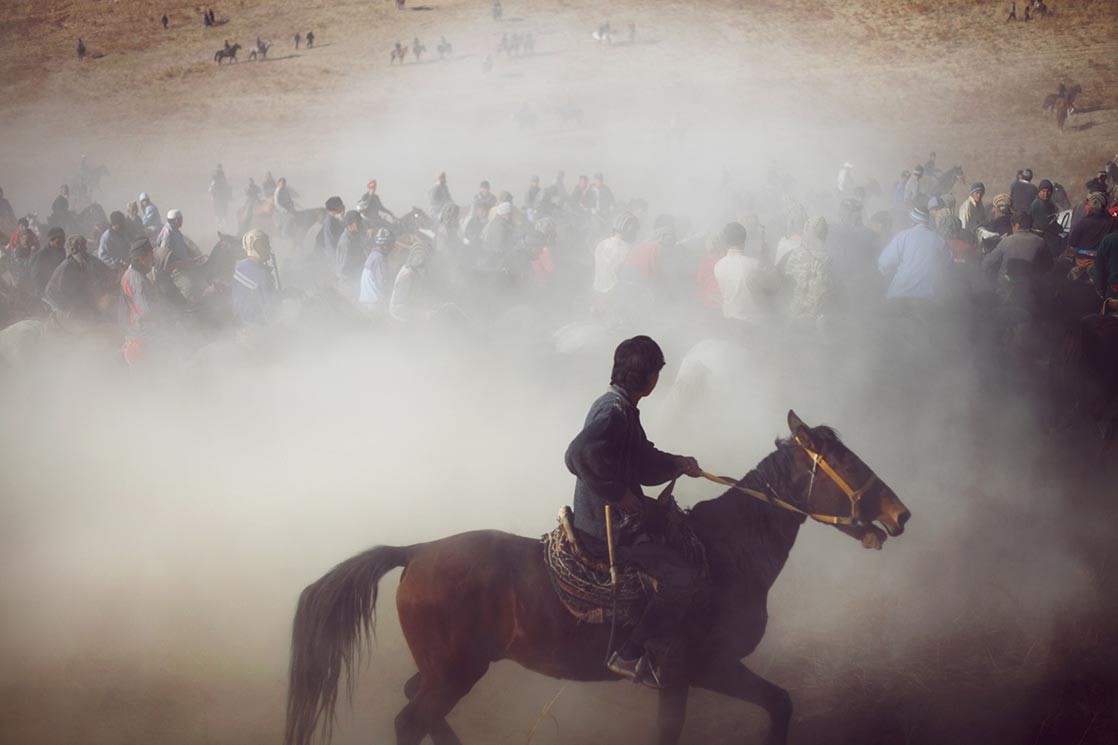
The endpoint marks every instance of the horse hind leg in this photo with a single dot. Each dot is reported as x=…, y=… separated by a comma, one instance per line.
x=737, y=681
x=431, y=697
x=441, y=733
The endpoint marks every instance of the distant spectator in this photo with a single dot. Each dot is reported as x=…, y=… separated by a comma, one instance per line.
x=1024, y=249
x=1044, y=210
x=135, y=222
x=915, y=262
x=1095, y=225
x=151, y=219
x=898, y=189
x=1012, y=13
x=298, y=39
x=81, y=50
x=114, y=248
x=972, y=213
x=46, y=259
x=165, y=21
x=1023, y=191
x=310, y=39
x=733, y=273
x=23, y=224
x=914, y=189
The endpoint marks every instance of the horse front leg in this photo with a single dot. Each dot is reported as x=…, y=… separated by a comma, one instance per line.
x=734, y=679
x=671, y=713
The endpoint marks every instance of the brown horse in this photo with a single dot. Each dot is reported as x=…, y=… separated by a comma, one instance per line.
x=1061, y=109
x=471, y=599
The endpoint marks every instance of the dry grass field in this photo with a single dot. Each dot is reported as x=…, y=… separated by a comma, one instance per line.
x=879, y=82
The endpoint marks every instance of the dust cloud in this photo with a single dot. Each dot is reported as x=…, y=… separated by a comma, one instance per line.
x=155, y=531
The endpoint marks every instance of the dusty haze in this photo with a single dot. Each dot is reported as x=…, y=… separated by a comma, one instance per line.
x=154, y=534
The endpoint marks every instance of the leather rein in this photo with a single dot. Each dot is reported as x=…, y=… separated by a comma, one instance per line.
x=818, y=462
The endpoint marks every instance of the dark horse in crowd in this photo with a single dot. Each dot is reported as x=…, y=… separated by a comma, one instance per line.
x=471, y=599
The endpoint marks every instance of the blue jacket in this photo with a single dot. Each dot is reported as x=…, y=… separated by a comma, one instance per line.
x=612, y=455
x=254, y=292
x=917, y=259
x=152, y=220
x=113, y=248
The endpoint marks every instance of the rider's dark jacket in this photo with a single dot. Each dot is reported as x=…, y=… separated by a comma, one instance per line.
x=609, y=456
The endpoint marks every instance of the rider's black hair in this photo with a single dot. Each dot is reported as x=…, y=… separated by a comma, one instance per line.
x=635, y=362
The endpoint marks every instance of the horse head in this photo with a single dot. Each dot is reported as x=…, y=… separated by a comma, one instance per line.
x=839, y=488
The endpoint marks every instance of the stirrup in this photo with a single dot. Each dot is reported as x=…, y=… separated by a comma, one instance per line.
x=640, y=670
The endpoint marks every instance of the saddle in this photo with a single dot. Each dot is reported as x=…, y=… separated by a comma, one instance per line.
x=582, y=580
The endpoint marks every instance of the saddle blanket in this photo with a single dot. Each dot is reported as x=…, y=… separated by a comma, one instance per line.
x=582, y=581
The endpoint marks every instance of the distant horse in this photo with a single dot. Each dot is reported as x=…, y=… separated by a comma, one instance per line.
x=1067, y=94
x=229, y=52
x=301, y=222
x=260, y=50
x=445, y=48
x=412, y=227
x=399, y=54
x=417, y=49
x=91, y=221
x=467, y=601
x=945, y=182
x=1060, y=107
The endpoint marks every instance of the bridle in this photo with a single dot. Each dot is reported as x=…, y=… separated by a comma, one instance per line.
x=818, y=462
x=854, y=495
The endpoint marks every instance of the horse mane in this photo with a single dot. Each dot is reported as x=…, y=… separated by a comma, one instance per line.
x=746, y=536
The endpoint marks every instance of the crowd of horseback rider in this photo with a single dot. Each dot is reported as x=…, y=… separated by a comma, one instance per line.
x=1023, y=259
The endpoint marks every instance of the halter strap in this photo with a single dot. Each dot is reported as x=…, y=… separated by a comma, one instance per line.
x=773, y=499
x=818, y=462
x=854, y=495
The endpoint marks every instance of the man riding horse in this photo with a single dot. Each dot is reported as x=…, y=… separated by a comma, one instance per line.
x=612, y=458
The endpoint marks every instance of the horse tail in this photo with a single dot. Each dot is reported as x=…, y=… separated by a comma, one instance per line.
x=334, y=620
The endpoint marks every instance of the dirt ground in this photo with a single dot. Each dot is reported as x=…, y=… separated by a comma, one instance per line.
x=880, y=83
x=806, y=84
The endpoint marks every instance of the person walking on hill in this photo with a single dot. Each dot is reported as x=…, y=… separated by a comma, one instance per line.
x=310, y=40
x=1012, y=13
x=298, y=38
x=165, y=21
x=81, y=50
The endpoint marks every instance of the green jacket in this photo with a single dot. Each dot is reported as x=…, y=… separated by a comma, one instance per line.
x=1106, y=267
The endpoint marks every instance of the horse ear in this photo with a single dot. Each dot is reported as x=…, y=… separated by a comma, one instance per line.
x=801, y=431
x=794, y=422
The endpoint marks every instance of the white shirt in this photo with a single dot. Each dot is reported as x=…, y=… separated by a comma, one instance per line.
x=609, y=255
x=732, y=272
